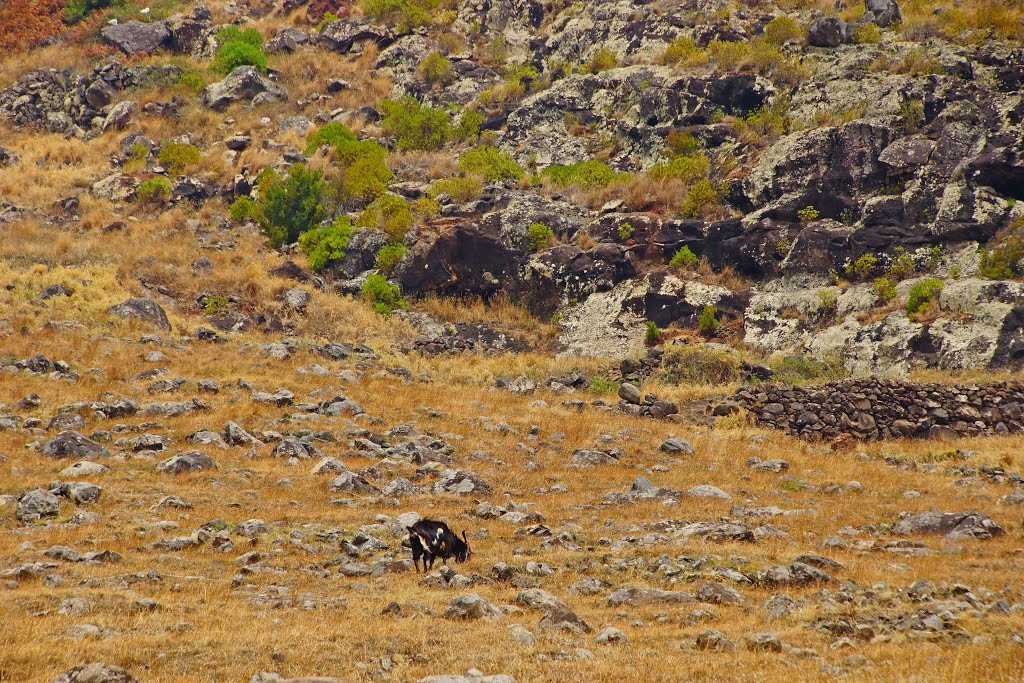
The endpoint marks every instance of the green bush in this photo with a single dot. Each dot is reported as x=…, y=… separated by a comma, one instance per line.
x=403, y=15
x=192, y=80
x=708, y=321
x=436, y=70
x=239, y=48
x=153, y=190
x=539, y=235
x=334, y=133
x=866, y=34
x=682, y=143
x=389, y=256
x=76, y=10
x=684, y=51
x=626, y=231
x=217, y=304
x=178, y=156
x=390, y=213
x=490, y=163
x=416, y=125
x=863, y=267
x=600, y=385
x=652, y=335
x=591, y=173
x=245, y=209
x=136, y=160
x=885, y=290
x=382, y=295
x=460, y=188
x=292, y=204
x=912, y=114
x=689, y=169
x=602, y=60
x=901, y=265
x=1004, y=259
x=684, y=258
x=701, y=195
x=922, y=293
x=326, y=242
x=468, y=127
x=782, y=29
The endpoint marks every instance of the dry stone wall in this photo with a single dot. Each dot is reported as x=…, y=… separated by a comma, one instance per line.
x=877, y=409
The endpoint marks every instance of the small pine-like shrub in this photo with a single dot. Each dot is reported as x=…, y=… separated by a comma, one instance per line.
x=808, y=214
x=626, y=231
x=685, y=52
x=334, y=134
x=178, y=156
x=153, y=190
x=382, y=295
x=1004, y=257
x=867, y=33
x=403, y=15
x=708, y=321
x=922, y=293
x=885, y=290
x=389, y=256
x=192, y=80
x=689, y=169
x=390, y=213
x=701, y=196
x=245, y=209
x=682, y=143
x=239, y=48
x=863, y=267
x=684, y=258
x=292, y=204
x=782, y=29
x=652, y=335
x=460, y=188
x=468, y=127
x=602, y=60
x=326, y=243
x=539, y=235
x=436, y=70
x=416, y=125
x=490, y=163
x=590, y=174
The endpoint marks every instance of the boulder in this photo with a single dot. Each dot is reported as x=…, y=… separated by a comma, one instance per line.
x=244, y=83
x=190, y=461
x=826, y=32
x=37, y=504
x=344, y=34
x=133, y=37
x=953, y=525
x=471, y=606
x=72, y=444
x=95, y=673
x=145, y=310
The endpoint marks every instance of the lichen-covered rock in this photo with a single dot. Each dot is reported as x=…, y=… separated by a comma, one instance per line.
x=241, y=85
x=145, y=310
x=133, y=37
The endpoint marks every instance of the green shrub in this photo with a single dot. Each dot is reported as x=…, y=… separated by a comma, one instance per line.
x=137, y=156
x=808, y=214
x=382, y=295
x=468, y=127
x=684, y=51
x=333, y=134
x=652, y=335
x=178, y=156
x=708, y=321
x=602, y=60
x=217, y=304
x=245, y=209
x=702, y=195
x=460, y=188
x=390, y=213
x=600, y=385
x=326, y=242
x=684, y=258
x=436, y=70
x=766, y=122
x=389, y=256
x=591, y=173
x=922, y=293
x=292, y=204
x=801, y=369
x=698, y=364
x=540, y=235
x=192, y=80
x=401, y=14
x=416, y=125
x=366, y=179
x=689, y=169
x=863, y=267
x=490, y=163
x=912, y=115
x=782, y=29
x=866, y=34
x=328, y=18
x=901, y=265
x=682, y=143
x=626, y=231
x=427, y=207
x=76, y=10
x=828, y=303
x=1004, y=257
x=153, y=190
x=885, y=290
x=239, y=48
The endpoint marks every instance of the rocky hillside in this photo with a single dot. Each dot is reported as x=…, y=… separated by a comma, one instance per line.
x=705, y=319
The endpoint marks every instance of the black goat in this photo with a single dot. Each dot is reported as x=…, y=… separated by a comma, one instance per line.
x=430, y=540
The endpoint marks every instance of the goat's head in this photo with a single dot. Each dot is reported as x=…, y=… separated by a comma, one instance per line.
x=462, y=551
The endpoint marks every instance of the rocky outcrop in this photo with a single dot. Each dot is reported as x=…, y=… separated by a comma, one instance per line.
x=243, y=84
x=133, y=37
x=874, y=409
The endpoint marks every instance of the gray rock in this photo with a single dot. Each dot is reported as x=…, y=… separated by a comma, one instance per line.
x=713, y=640
x=826, y=32
x=764, y=642
x=244, y=83
x=564, y=619
x=677, y=445
x=133, y=37
x=647, y=596
x=72, y=444
x=952, y=525
x=471, y=606
x=190, y=461
x=83, y=468
x=610, y=635
x=708, y=491
x=145, y=310
x=119, y=116
x=35, y=505
x=630, y=393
